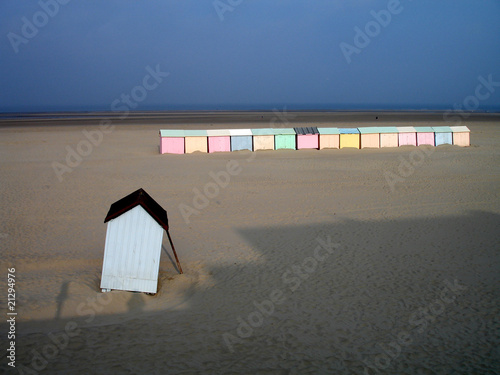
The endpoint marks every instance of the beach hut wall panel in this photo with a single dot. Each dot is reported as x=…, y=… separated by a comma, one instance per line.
x=284, y=138
x=329, y=138
x=134, y=238
x=219, y=141
x=389, y=140
x=172, y=145
x=425, y=135
x=263, y=139
x=407, y=136
x=196, y=140
x=370, y=137
x=443, y=139
x=239, y=142
x=219, y=144
x=132, y=252
x=310, y=141
x=194, y=144
x=241, y=139
x=284, y=141
x=171, y=141
x=461, y=135
x=349, y=137
x=263, y=142
x=442, y=135
x=307, y=137
x=329, y=141
x=388, y=136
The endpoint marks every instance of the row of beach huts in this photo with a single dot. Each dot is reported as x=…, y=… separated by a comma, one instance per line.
x=226, y=140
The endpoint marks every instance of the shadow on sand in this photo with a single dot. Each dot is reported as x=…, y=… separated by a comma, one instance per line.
x=343, y=310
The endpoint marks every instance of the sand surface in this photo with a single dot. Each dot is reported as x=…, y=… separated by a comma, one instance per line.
x=303, y=262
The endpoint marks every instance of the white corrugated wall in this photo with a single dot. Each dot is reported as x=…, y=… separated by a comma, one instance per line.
x=132, y=252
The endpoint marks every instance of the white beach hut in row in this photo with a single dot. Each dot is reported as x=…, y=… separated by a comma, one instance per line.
x=133, y=244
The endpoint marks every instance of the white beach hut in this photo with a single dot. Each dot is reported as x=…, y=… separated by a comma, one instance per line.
x=133, y=244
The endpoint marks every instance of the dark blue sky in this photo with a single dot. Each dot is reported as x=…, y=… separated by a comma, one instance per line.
x=255, y=54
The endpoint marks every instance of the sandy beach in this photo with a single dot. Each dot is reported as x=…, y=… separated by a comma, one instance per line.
x=373, y=261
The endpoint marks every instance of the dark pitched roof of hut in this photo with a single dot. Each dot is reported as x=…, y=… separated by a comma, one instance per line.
x=305, y=131
x=138, y=197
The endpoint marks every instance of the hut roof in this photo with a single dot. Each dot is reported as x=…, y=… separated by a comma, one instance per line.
x=306, y=130
x=218, y=132
x=424, y=129
x=263, y=131
x=387, y=129
x=441, y=129
x=328, y=131
x=369, y=130
x=195, y=133
x=348, y=130
x=406, y=129
x=171, y=133
x=240, y=132
x=459, y=129
x=138, y=198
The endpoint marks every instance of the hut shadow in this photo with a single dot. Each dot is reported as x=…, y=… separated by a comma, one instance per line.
x=174, y=264
x=61, y=297
x=136, y=302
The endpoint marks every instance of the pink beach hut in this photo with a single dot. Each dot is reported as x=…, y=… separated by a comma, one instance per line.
x=388, y=136
x=461, y=135
x=329, y=138
x=370, y=137
x=307, y=138
x=407, y=136
x=425, y=135
x=219, y=140
x=171, y=141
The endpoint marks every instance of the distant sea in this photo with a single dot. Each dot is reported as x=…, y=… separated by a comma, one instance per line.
x=278, y=114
